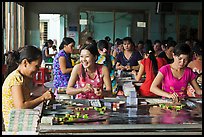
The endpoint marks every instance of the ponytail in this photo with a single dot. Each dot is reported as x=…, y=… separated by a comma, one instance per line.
x=154, y=63
x=103, y=46
x=149, y=50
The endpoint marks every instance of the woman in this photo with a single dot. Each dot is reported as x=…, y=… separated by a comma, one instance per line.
x=149, y=66
x=46, y=56
x=16, y=88
x=129, y=58
x=62, y=64
x=175, y=77
x=107, y=60
x=157, y=47
x=168, y=52
x=196, y=66
x=117, y=48
x=90, y=78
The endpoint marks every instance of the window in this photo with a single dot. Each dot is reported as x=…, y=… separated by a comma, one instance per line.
x=43, y=32
x=13, y=28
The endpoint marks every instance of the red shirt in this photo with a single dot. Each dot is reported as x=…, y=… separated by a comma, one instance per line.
x=148, y=69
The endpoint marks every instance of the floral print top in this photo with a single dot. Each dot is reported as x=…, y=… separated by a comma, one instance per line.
x=13, y=79
x=61, y=80
x=102, y=60
x=96, y=82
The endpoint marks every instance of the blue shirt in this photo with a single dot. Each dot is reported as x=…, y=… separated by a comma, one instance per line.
x=133, y=60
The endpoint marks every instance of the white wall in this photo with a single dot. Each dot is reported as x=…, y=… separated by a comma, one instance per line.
x=53, y=26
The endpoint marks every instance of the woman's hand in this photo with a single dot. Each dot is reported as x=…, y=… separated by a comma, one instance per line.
x=128, y=67
x=134, y=72
x=174, y=97
x=48, y=95
x=98, y=91
x=122, y=67
x=87, y=87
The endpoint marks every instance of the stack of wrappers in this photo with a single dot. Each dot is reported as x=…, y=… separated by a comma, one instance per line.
x=23, y=120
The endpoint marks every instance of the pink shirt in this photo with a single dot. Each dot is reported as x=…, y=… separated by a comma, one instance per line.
x=96, y=82
x=172, y=84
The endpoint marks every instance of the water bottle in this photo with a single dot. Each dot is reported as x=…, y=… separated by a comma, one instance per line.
x=132, y=99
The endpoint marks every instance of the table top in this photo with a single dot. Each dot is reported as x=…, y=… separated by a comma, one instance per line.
x=141, y=116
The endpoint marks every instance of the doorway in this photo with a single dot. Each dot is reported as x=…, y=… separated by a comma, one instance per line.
x=52, y=26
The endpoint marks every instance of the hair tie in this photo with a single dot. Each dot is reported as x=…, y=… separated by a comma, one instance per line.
x=104, y=50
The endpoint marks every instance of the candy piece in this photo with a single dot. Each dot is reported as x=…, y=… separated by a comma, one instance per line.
x=71, y=119
x=101, y=113
x=85, y=116
x=78, y=113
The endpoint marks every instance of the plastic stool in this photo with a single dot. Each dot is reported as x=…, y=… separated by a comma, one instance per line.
x=41, y=76
x=49, y=66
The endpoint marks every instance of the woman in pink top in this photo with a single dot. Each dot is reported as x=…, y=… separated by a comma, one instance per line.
x=89, y=77
x=176, y=76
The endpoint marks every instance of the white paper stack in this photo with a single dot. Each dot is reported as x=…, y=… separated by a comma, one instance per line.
x=23, y=120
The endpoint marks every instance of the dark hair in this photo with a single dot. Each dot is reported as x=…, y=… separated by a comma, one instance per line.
x=66, y=41
x=107, y=38
x=54, y=47
x=157, y=41
x=150, y=50
x=48, y=42
x=31, y=53
x=92, y=48
x=130, y=40
x=117, y=39
x=27, y=53
x=198, y=48
x=170, y=44
x=119, y=42
x=141, y=42
x=90, y=39
x=11, y=61
x=149, y=42
x=101, y=44
x=182, y=48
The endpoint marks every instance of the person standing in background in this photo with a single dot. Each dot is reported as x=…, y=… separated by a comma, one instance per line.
x=46, y=56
